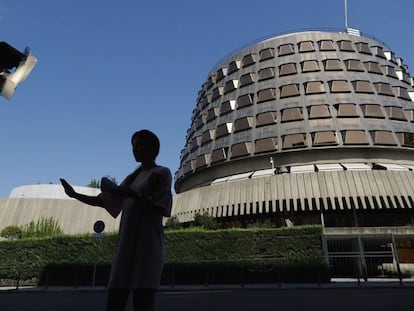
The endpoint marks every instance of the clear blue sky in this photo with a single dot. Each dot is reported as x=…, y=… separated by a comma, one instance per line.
x=108, y=68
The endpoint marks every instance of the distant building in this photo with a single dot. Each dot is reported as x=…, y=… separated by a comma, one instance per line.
x=33, y=202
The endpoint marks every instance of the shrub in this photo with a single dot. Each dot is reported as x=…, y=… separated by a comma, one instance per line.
x=173, y=223
x=205, y=221
x=11, y=233
x=44, y=227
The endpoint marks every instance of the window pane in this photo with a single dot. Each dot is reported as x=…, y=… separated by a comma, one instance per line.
x=324, y=138
x=249, y=59
x=354, y=137
x=289, y=90
x=294, y=141
x=339, y=86
x=372, y=111
x=382, y=138
x=361, y=86
x=242, y=149
x=266, y=73
x=265, y=118
x=347, y=110
x=267, y=53
x=292, y=114
x=310, y=65
x=314, y=87
x=265, y=145
x=286, y=49
x=306, y=46
x=318, y=111
x=332, y=65
x=287, y=69
x=245, y=100
x=266, y=94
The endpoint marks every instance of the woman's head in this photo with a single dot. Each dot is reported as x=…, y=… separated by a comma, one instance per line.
x=145, y=144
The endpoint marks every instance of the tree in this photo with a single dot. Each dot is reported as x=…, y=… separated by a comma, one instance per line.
x=94, y=183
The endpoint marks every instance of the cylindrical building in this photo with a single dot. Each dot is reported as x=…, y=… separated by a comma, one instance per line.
x=300, y=125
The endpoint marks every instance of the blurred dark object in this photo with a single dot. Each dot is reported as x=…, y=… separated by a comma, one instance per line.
x=15, y=67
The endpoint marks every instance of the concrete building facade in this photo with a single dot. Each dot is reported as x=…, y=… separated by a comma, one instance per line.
x=313, y=126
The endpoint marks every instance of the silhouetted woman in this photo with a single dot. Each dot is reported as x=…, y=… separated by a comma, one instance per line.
x=144, y=198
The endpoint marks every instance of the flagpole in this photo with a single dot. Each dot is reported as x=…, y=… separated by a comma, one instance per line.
x=346, y=14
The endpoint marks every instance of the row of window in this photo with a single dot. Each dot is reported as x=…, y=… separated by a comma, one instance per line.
x=300, y=140
x=347, y=110
x=304, y=46
x=313, y=87
x=331, y=64
x=296, y=114
x=291, y=90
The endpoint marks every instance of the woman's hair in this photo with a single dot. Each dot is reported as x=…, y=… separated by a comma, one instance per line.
x=149, y=139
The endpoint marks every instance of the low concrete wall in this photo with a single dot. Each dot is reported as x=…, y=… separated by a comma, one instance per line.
x=73, y=217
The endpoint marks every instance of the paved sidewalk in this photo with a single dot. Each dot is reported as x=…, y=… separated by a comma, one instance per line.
x=335, y=283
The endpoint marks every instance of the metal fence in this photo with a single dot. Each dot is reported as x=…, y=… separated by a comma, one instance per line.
x=364, y=256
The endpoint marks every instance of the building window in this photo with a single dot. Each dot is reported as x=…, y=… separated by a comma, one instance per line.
x=211, y=80
x=318, y=112
x=227, y=106
x=372, y=111
x=265, y=118
x=217, y=92
x=362, y=86
x=287, y=69
x=401, y=92
x=202, y=160
x=292, y=114
x=223, y=129
x=395, y=113
x=219, y=155
x=212, y=113
x=249, y=59
x=245, y=100
x=363, y=47
x=409, y=114
x=289, y=90
x=346, y=110
x=286, y=49
x=207, y=136
x=231, y=86
x=267, y=54
x=373, y=67
x=345, y=45
x=406, y=139
x=314, y=87
x=234, y=66
x=204, y=101
x=382, y=138
x=247, y=79
x=354, y=65
x=378, y=51
x=266, y=95
x=265, y=145
x=339, y=86
x=324, y=138
x=294, y=141
x=353, y=137
x=241, y=149
x=221, y=73
x=266, y=73
x=326, y=45
x=383, y=89
x=332, y=64
x=389, y=71
x=243, y=124
x=306, y=46
x=310, y=65
x=195, y=143
x=188, y=167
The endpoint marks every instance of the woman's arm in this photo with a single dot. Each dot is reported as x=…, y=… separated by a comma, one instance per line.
x=87, y=199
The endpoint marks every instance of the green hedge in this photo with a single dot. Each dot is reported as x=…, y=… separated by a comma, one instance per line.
x=193, y=256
